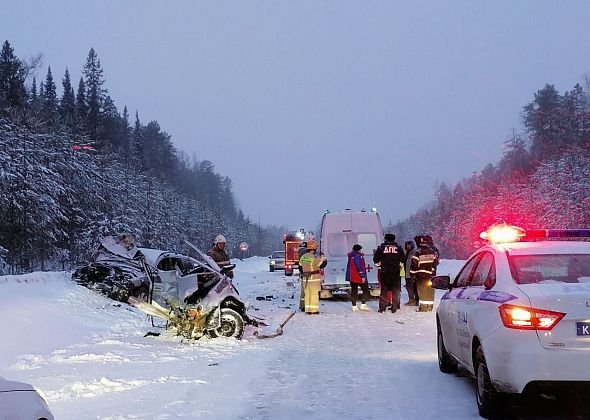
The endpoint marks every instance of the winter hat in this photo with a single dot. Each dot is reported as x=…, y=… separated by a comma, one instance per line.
x=220, y=238
x=410, y=243
x=389, y=237
x=356, y=247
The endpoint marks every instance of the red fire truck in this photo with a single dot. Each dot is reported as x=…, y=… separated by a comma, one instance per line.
x=291, y=242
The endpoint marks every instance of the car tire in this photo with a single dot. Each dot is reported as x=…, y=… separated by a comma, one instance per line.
x=232, y=325
x=272, y=269
x=489, y=400
x=446, y=363
x=142, y=293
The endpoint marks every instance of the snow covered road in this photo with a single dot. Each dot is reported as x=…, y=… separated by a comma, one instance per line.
x=90, y=357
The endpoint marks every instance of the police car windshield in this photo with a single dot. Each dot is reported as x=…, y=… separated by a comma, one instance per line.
x=564, y=268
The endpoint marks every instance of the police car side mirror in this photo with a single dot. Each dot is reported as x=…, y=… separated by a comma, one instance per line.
x=441, y=282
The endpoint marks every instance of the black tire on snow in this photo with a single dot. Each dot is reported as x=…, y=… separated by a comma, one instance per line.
x=446, y=363
x=232, y=325
x=142, y=293
x=489, y=400
x=272, y=269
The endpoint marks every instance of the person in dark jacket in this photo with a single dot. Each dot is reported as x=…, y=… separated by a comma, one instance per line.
x=423, y=268
x=410, y=281
x=219, y=254
x=388, y=256
x=356, y=274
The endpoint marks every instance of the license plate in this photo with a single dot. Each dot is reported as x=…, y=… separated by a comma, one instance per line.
x=583, y=328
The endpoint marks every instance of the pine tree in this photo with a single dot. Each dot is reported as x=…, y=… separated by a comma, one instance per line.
x=81, y=108
x=93, y=78
x=12, y=79
x=542, y=122
x=67, y=105
x=49, y=107
x=138, y=141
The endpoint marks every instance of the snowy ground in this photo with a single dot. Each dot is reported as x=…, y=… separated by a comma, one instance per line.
x=90, y=357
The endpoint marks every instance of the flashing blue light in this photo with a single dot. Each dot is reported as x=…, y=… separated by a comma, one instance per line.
x=374, y=209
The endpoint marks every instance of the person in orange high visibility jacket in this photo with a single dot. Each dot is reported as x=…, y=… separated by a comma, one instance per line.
x=310, y=267
x=423, y=268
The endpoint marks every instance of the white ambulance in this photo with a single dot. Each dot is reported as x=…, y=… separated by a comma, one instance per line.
x=338, y=232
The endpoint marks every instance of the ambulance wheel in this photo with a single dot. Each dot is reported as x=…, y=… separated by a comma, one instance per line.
x=231, y=325
x=446, y=363
x=489, y=401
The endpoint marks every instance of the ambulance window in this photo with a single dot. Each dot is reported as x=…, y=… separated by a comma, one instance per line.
x=337, y=244
x=368, y=241
x=462, y=279
x=481, y=273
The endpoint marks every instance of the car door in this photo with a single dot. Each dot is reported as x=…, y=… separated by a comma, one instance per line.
x=470, y=306
x=452, y=320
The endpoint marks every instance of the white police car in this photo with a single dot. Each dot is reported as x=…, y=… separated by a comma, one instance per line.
x=19, y=400
x=518, y=314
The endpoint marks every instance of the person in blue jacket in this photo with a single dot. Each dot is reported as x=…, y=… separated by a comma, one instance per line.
x=356, y=274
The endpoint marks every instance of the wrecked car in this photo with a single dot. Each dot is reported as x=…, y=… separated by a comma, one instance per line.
x=190, y=292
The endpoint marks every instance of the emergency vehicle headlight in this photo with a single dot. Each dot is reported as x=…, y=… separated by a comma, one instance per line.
x=502, y=233
x=374, y=209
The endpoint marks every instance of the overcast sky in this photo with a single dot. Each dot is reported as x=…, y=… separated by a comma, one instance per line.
x=313, y=105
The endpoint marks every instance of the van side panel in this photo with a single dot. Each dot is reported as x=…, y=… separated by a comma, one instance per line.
x=339, y=232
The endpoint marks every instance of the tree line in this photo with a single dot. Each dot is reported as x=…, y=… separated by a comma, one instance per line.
x=541, y=181
x=74, y=169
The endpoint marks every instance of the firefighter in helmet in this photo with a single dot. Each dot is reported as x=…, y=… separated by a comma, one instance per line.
x=423, y=268
x=310, y=265
x=219, y=254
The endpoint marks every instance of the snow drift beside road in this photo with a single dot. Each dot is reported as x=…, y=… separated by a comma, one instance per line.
x=90, y=357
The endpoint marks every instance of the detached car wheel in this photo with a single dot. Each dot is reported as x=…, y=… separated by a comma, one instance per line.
x=489, y=400
x=446, y=363
x=232, y=325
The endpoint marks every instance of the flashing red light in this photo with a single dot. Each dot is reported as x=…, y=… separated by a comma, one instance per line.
x=526, y=318
x=503, y=233
x=82, y=147
x=507, y=233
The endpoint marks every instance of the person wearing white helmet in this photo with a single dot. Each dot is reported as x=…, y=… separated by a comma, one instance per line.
x=219, y=254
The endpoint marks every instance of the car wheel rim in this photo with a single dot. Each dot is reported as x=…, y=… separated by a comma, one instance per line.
x=227, y=327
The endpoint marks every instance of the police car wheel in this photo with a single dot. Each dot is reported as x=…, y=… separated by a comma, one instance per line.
x=446, y=364
x=231, y=325
x=489, y=401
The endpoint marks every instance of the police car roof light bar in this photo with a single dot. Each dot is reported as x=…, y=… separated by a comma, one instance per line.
x=502, y=233
x=557, y=233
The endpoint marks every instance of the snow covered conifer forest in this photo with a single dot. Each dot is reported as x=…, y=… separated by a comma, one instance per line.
x=74, y=169
x=542, y=180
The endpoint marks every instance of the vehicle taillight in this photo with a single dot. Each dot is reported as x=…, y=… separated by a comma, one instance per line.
x=526, y=318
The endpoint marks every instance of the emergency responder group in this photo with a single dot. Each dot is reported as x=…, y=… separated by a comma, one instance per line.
x=419, y=264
